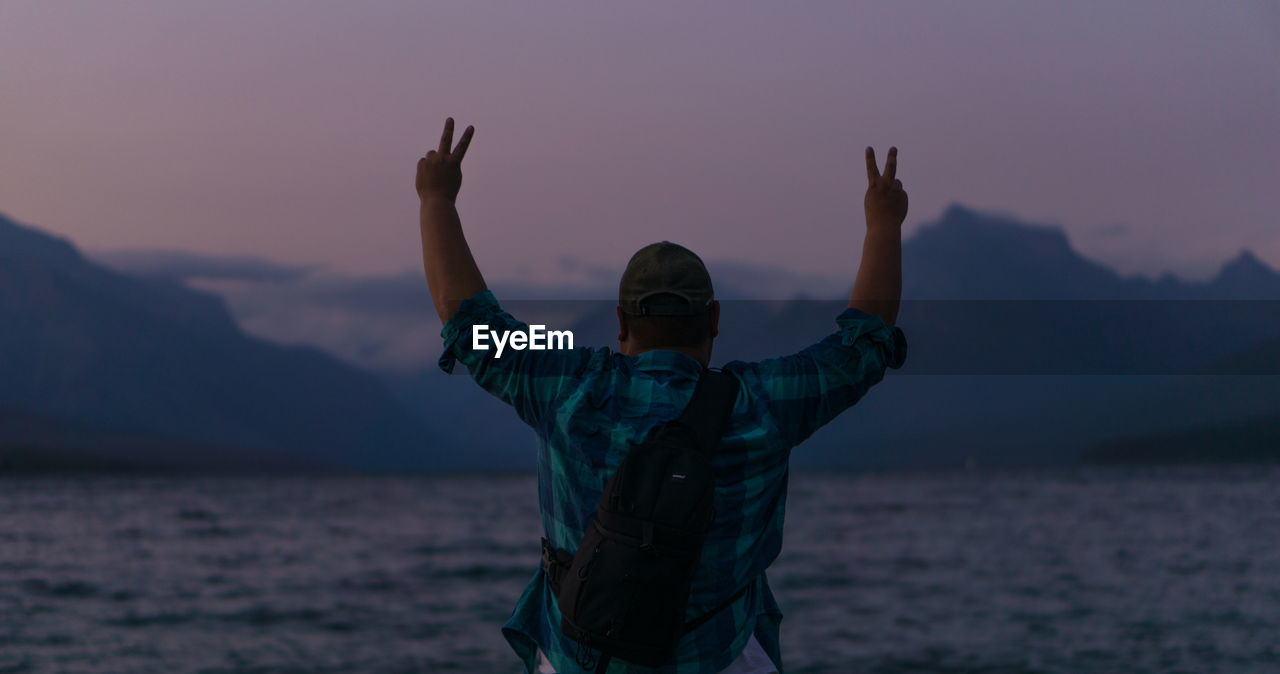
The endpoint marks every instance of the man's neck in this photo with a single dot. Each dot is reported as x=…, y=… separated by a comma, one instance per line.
x=699, y=354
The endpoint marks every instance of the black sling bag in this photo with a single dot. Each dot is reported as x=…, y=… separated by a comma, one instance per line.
x=625, y=591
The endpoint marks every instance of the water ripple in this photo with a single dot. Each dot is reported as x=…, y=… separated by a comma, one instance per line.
x=1096, y=570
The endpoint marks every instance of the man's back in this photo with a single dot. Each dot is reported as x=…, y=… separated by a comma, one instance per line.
x=588, y=407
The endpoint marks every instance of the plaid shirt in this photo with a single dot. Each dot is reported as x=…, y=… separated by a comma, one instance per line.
x=588, y=406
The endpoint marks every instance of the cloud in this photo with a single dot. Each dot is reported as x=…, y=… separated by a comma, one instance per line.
x=382, y=323
x=185, y=266
x=733, y=279
x=388, y=323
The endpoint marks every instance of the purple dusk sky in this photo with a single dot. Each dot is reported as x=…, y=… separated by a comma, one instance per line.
x=291, y=129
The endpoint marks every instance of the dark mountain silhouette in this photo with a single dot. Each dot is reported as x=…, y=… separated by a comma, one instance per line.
x=86, y=345
x=989, y=301
x=969, y=255
x=1129, y=355
x=1244, y=277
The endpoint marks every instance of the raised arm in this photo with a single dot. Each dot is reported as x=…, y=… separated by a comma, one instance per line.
x=878, y=287
x=452, y=274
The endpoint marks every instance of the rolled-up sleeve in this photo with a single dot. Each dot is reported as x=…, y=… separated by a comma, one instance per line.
x=808, y=389
x=528, y=380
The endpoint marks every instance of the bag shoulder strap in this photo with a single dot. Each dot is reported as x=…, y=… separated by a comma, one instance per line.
x=708, y=411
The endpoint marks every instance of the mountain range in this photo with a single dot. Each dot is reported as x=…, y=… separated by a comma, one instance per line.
x=113, y=355
x=969, y=255
x=1022, y=352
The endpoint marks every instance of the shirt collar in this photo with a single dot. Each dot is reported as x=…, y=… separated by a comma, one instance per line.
x=667, y=360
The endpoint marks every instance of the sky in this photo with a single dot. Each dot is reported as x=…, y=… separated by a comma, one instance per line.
x=290, y=130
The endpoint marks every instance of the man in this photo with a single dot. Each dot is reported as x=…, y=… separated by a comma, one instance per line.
x=589, y=406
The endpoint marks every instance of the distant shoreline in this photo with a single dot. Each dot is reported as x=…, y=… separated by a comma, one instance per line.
x=1252, y=441
x=42, y=462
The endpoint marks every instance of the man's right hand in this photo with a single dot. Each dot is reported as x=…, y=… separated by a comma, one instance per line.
x=886, y=202
x=440, y=171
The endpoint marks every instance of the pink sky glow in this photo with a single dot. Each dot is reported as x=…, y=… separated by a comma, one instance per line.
x=291, y=129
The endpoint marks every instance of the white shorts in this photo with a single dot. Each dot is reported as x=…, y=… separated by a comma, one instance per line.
x=752, y=660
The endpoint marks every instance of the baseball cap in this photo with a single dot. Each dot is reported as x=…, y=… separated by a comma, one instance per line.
x=665, y=269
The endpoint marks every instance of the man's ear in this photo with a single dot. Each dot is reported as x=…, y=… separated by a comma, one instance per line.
x=715, y=318
x=623, y=332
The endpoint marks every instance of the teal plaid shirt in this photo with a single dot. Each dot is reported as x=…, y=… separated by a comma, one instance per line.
x=588, y=406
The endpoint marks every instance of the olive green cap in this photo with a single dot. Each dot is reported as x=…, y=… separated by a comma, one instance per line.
x=667, y=269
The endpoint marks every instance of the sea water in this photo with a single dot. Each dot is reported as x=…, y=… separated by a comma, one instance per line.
x=1082, y=570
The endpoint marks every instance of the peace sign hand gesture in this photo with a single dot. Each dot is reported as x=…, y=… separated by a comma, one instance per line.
x=886, y=202
x=440, y=172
